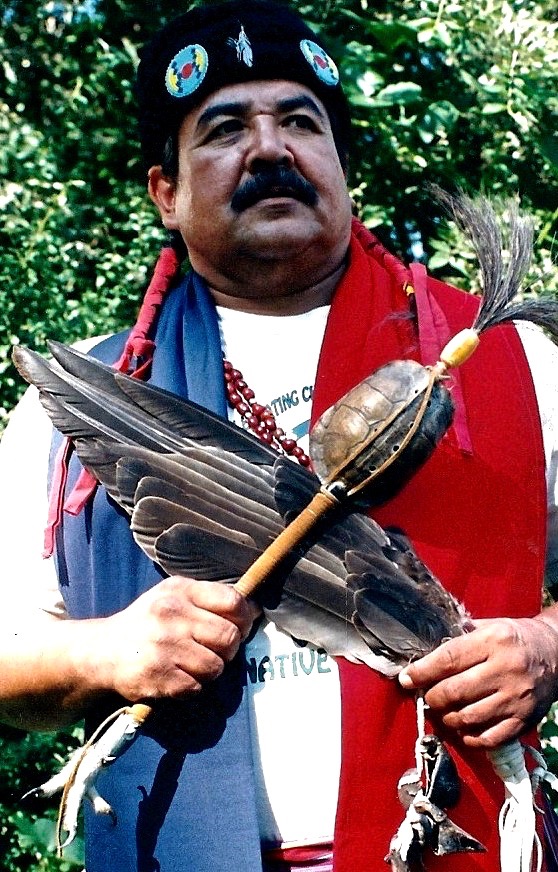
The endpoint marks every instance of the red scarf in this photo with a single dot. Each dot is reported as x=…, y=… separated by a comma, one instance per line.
x=477, y=518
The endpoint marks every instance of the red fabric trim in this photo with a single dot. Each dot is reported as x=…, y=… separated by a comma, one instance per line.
x=374, y=248
x=81, y=492
x=301, y=854
x=477, y=520
x=58, y=484
x=138, y=345
x=433, y=336
x=311, y=858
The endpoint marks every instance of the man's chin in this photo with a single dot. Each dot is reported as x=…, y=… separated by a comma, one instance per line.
x=280, y=233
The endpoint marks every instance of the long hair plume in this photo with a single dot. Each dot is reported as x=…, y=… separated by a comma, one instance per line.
x=504, y=256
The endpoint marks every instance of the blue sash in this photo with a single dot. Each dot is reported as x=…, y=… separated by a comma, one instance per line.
x=184, y=793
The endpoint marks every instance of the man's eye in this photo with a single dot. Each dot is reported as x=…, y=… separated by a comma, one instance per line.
x=225, y=128
x=302, y=122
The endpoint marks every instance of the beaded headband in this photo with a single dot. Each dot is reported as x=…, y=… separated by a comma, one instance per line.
x=189, y=66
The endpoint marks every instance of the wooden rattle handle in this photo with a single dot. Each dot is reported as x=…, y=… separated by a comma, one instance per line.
x=321, y=503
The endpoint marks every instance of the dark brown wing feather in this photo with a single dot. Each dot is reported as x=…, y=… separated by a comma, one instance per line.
x=199, y=508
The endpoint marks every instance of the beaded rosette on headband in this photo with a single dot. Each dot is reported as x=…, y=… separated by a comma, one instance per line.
x=224, y=44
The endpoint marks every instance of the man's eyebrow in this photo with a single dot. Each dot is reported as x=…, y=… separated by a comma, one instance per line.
x=291, y=104
x=239, y=108
x=236, y=109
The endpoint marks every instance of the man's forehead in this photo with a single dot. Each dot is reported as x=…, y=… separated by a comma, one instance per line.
x=258, y=96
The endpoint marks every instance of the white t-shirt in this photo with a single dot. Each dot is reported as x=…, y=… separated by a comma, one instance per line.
x=294, y=690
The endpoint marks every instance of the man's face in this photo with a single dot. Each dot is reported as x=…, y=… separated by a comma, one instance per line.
x=259, y=179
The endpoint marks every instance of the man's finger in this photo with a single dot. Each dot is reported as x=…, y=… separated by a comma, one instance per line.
x=449, y=659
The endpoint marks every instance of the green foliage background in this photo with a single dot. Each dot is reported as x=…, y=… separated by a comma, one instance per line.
x=462, y=94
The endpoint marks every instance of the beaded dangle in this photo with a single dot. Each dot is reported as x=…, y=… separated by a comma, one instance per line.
x=260, y=419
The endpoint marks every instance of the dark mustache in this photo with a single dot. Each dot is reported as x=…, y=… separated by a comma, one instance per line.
x=275, y=182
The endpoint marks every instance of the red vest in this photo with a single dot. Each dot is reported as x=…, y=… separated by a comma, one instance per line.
x=477, y=518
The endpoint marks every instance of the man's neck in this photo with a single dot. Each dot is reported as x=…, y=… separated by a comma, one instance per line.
x=294, y=302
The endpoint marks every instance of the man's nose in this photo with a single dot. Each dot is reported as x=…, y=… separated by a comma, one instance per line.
x=268, y=145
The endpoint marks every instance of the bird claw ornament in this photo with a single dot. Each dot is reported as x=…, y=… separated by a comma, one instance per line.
x=426, y=792
x=76, y=780
x=426, y=826
x=348, y=591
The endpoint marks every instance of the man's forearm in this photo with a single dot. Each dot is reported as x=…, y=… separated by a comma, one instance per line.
x=49, y=674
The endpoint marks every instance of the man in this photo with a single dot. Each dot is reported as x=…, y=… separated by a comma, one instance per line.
x=245, y=133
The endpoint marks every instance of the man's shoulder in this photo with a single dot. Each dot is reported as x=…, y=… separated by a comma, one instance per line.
x=106, y=348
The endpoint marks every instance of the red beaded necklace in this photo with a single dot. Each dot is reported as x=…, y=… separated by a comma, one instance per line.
x=260, y=419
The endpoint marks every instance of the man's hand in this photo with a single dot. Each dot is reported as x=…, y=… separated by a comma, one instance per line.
x=170, y=641
x=173, y=638
x=493, y=683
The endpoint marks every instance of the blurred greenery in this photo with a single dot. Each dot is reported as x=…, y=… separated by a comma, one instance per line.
x=452, y=92
x=456, y=93
x=28, y=827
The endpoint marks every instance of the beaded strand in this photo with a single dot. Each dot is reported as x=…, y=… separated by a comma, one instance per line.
x=260, y=419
